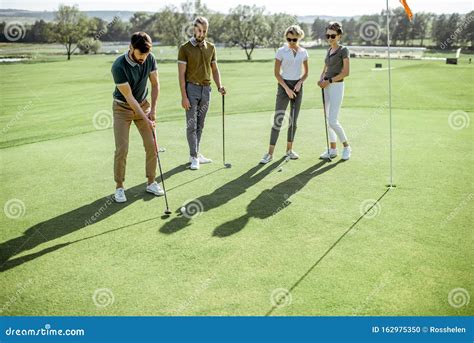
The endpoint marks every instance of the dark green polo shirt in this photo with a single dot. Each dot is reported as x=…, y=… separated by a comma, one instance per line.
x=125, y=70
x=198, y=59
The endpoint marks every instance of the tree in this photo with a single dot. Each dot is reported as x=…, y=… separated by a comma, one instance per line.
x=39, y=32
x=247, y=27
x=277, y=24
x=171, y=26
x=319, y=29
x=444, y=31
x=71, y=27
x=420, y=26
x=117, y=30
x=350, y=31
x=468, y=34
x=89, y=45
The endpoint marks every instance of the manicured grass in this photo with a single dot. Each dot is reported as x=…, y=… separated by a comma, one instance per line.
x=259, y=230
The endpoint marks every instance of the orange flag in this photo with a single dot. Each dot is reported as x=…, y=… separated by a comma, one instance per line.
x=407, y=9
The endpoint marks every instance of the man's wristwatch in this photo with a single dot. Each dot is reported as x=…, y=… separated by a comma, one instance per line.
x=330, y=80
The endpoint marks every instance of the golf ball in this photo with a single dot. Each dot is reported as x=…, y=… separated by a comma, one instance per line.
x=183, y=209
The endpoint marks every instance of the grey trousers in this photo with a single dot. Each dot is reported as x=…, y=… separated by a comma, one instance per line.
x=281, y=105
x=199, y=98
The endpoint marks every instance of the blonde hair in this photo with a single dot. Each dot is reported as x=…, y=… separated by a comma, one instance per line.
x=202, y=21
x=295, y=30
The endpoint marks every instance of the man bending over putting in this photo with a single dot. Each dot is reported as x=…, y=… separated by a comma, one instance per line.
x=131, y=72
x=196, y=60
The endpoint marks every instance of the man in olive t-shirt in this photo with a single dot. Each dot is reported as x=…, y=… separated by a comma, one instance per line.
x=196, y=62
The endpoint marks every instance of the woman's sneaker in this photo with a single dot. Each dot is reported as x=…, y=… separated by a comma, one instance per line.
x=292, y=155
x=325, y=155
x=204, y=160
x=346, y=153
x=194, y=163
x=154, y=188
x=266, y=158
x=119, y=195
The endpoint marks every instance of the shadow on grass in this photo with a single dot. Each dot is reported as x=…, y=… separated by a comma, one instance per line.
x=219, y=197
x=274, y=307
x=272, y=201
x=70, y=222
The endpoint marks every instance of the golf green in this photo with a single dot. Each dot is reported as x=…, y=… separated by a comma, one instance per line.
x=315, y=238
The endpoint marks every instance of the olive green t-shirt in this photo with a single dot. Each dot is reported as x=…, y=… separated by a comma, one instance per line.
x=334, y=61
x=198, y=59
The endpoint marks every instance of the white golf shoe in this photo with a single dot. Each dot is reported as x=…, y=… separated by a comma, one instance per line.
x=325, y=155
x=154, y=188
x=203, y=160
x=346, y=153
x=266, y=158
x=194, y=163
x=119, y=195
x=292, y=155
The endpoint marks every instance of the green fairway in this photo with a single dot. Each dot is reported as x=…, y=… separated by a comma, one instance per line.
x=305, y=229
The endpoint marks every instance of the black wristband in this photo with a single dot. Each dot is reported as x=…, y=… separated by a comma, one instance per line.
x=330, y=80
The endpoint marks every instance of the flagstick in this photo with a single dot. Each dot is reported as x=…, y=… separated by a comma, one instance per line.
x=391, y=185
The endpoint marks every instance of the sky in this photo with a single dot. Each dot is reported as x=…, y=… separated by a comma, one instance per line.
x=297, y=7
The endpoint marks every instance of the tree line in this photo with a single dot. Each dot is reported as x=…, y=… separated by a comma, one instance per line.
x=247, y=27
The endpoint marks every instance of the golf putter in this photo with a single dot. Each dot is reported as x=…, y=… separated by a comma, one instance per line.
x=167, y=210
x=326, y=125
x=226, y=165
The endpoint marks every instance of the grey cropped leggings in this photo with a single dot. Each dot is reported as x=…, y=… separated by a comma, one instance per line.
x=282, y=101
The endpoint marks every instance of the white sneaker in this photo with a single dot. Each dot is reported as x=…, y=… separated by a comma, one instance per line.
x=204, y=160
x=292, y=155
x=194, y=163
x=266, y=158
x=346, y=153
x=325, y=155
x=119, y=195
x=154, y=188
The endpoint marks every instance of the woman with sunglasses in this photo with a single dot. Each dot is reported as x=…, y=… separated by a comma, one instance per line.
x=336, y=68
x=290, y=61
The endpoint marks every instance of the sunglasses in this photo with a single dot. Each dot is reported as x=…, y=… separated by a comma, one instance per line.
x=292, y=39
x=331, y=36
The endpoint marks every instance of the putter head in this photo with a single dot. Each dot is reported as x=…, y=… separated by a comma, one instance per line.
x=228, y=165
x=167, y=212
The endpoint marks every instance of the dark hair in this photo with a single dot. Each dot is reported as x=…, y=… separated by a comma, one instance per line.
x=141, y=41
x=335, y=26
